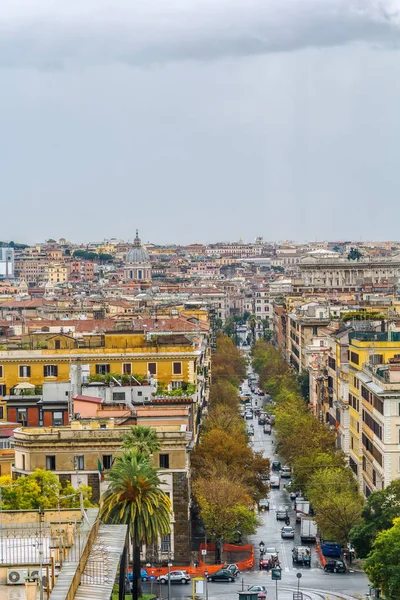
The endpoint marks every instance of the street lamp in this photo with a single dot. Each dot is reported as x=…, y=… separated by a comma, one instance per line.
x=169, y=579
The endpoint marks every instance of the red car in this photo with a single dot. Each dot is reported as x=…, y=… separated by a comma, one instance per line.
x=262, y=592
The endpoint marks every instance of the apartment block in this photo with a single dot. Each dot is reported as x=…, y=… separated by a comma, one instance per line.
x=374, y=405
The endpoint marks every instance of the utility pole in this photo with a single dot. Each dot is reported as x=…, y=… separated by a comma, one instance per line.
x=41, y=517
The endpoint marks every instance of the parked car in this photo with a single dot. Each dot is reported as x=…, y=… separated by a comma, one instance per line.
x=267, y=428
x=287, y=533
x=175, y=577
x=282, y=513
x=144, y=576
x=221, y=575
x=285, y=473
x=301, y=555
x=335, y=566
x=248, y=414
x=261, y=589
x=250, y=431
x=263, y=504
x=274, y=482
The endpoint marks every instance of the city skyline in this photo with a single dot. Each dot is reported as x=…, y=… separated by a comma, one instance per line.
x=277, y=114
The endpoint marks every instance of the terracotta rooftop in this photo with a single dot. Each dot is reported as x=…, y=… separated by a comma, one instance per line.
x=91, y=399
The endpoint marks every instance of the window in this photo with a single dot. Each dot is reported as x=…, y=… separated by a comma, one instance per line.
x=119, y=397
x=1, y=371
x=3, y=390
x=177, y=368
x=372, y=424
x=102, y=369
x=79, y=462
x=176, y=385
x=57, y=345
x=127, y=368
x=152, y=368
x=107, y=461
x=1, y=412
x=164, y=461
x=315, y=330
x=376, y=359
x=166, y=543
x=23, y=462
x=51, y=463
x=24, y=371
x=332, y=363
x=140, y=393
x=22, y=416
x=58, y=418
x=354, y=358
x=50, y=370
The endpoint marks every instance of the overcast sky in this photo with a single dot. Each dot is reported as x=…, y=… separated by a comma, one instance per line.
x=199, y=120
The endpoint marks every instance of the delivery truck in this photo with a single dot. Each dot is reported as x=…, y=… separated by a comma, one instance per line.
x=302, y=509
x=308, y=530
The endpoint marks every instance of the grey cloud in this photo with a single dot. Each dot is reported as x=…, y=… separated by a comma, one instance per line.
x=53, y=35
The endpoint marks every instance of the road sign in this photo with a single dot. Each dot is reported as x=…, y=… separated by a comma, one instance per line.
x=276, y=574
x=204, y=552
x=297, y=596
x=152, y=577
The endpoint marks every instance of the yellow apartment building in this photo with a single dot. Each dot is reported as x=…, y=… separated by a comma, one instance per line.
x=171, y=359
x=57, y=273
x=374, y=407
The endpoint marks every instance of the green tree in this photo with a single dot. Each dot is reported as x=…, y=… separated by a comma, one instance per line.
x=354, y=254
x=304, y=381
x=378, y=513
x=143, y=438
x=71, y=497
x=382, y=564
x=134, y=497
x=337, y=502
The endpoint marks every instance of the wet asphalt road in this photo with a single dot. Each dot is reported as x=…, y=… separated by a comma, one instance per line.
x=314, y=583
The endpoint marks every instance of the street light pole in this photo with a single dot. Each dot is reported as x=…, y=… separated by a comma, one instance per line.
x=169, y=576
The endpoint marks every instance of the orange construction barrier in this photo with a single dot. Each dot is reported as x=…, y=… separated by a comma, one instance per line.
x=243, y=565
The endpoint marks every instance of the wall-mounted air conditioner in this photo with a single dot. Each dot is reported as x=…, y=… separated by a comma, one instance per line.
x=35, y=572
x=16, y=576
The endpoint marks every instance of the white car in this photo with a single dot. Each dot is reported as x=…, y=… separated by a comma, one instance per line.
x=287, y=533
x=175, y=577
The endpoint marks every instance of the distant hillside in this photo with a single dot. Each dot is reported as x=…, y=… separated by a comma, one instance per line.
x=13, y=245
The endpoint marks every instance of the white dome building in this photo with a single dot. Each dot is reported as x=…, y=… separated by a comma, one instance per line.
x=138, y=264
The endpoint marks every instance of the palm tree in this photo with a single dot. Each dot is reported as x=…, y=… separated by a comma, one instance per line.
x=144, y=439
x=134, y=498
x=252, y=321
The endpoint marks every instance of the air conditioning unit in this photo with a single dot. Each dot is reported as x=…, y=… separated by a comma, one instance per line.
x=36, y=573
x=16, y=576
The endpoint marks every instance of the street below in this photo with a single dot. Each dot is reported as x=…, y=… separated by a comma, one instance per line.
x=314, y=583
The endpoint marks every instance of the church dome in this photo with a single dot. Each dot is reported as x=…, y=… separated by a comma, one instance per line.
x=137, y=254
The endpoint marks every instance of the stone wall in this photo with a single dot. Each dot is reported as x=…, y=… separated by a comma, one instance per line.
x=182, y=533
